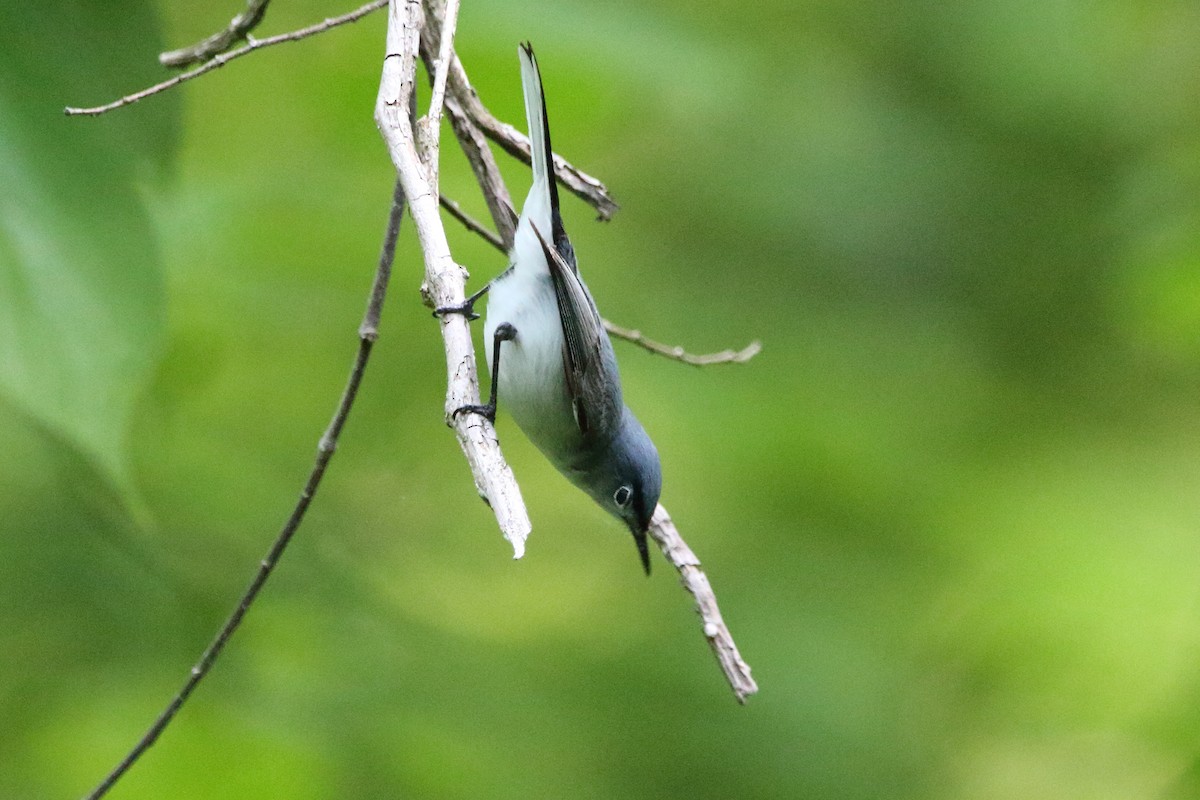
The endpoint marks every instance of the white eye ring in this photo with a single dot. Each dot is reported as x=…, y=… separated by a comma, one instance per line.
x=622, y=495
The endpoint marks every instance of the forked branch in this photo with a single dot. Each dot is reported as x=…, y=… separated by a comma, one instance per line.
x=662, y=529
x=223, y=58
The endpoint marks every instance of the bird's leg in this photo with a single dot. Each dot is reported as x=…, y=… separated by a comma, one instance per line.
x=466, y=307
x=504, y=333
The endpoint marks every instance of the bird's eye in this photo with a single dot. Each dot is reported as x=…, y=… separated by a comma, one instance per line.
x=622, y=496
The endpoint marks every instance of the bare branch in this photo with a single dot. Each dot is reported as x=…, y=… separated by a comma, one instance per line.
x=487, y=173
x=471, y=224
x=737, y=671
x=368, y=332
x=679, y=354
x=238, y=29
x=444, y=279
x=429, y=128
x=224, y=58
x=447, y=24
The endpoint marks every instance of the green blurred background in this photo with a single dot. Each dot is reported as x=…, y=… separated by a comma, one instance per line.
x=950, y=511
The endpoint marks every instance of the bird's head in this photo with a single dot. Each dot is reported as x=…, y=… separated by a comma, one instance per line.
x=631, y=484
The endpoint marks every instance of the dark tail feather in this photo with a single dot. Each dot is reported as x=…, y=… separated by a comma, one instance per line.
x=542, y=153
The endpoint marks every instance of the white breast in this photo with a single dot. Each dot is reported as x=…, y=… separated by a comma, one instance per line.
x=532, y=387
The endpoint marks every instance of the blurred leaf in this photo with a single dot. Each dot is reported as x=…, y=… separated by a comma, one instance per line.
x=81, y=293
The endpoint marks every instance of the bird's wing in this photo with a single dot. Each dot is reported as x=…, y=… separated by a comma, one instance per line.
x=592, y=383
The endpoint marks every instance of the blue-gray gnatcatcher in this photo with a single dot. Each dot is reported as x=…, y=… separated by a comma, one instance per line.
x=558, y=375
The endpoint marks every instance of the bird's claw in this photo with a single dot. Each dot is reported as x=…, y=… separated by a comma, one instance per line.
x=466, y=308
x=488, y=412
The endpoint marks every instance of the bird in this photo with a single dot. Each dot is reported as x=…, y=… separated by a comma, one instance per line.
x=550, y=358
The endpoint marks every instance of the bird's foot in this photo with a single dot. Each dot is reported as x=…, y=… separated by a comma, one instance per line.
x=466, y=308
x=487, y=411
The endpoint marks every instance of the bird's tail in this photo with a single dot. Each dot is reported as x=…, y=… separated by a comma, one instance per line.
x=542, y=204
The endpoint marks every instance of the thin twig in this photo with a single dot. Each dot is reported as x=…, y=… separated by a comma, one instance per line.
x=429, y=128
x=487, y=173
x=237, y=30
x=679, y=354
x=437, y=98
x=634, y=336
x=471, y=224
x=224, y=58
x=737, y=671
x=368, y=332
x=445, y=281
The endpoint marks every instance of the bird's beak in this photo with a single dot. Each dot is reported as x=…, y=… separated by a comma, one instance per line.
x=639, y=538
